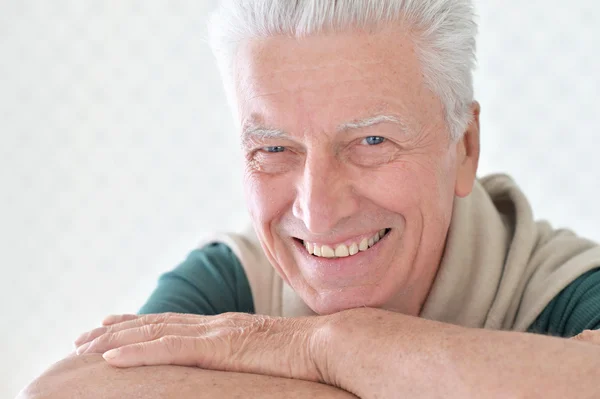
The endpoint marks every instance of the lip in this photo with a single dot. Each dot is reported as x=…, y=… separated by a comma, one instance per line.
x=346, y=241
x=335, y=271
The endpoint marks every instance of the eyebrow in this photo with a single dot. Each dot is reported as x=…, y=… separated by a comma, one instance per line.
x=252, y=131
x=371, y=121
x=259, y=132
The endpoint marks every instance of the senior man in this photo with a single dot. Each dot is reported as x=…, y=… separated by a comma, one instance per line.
x=396, y=271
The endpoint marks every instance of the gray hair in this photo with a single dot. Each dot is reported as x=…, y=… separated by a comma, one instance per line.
x=443, y=31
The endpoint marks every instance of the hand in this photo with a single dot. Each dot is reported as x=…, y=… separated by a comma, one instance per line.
x=590, y=336
x=282, y=347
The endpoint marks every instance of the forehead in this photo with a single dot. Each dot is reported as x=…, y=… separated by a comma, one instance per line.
x=331, y=79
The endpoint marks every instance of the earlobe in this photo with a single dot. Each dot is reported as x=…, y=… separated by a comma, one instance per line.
x=468, y=160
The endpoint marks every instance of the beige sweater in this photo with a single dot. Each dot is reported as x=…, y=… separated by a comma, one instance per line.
x=500, y=268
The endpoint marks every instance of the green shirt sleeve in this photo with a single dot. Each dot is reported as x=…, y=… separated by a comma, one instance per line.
x=575, y=309
x=210, y=281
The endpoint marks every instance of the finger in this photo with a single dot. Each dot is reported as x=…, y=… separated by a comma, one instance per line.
x=166, y=318
x=149, y=332
x=175, y=318
x=175, y=350
x=115, y=318
x=109, y=320
x=590, y=336
x=89, y=336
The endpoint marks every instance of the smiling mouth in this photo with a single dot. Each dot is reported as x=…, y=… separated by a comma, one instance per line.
x=343, y=250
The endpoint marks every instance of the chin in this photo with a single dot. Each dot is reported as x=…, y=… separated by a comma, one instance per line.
x=336, y=301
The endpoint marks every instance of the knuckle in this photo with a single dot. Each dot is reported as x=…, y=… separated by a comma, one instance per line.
x=142, y=321
x=246, y=334
x=172, y=343
x=158, y=318
x=169, y=316
x=237, y=319
x=230, y=316
x=587, y=335
x=227, y=319
x=163, y=317
x=150, y=319
x=104, y=341
x=261, y=324
x=153, y=331
x=102, y=330
x=200, y=329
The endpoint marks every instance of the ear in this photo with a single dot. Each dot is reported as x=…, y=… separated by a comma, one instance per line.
x=467, y=151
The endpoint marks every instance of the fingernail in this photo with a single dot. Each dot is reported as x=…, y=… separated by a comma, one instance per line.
x=82, y=348
x=111, y=354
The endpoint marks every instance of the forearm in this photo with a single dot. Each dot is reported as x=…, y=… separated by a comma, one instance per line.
x=401, y=356
x=89, y=376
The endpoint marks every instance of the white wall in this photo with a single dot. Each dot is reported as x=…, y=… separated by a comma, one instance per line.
x=117, y=150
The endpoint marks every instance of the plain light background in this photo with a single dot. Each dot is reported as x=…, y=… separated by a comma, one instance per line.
x=117, y=151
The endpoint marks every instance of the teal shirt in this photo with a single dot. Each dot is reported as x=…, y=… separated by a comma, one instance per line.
x=212, y=281
x=575, y=309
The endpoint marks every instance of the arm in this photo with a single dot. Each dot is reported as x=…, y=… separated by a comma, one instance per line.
x=371, y=353
x=89, y=376
x=402, y=356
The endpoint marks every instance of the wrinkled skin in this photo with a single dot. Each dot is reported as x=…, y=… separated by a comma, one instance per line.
x=229, y=342
x=319, y=181
x=324, y=177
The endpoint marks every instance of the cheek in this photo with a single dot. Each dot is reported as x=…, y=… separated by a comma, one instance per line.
x=412, y=186
x=266, y=197
x=395, y=187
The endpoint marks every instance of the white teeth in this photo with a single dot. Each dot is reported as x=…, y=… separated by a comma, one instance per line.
x=309, y=247
x=342, y=250
x=327, y=252
x=364, y=245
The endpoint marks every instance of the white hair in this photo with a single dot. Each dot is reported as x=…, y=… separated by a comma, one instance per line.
x=443, y=31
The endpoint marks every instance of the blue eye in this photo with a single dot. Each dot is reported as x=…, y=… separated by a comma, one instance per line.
x=274, y=149
x=374, y=140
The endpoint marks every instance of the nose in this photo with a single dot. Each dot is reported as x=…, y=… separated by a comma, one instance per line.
x=324, y=195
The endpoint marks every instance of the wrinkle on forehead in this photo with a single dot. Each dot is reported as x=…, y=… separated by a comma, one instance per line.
x=304, y=85
x=291, y=64
x=309, y=83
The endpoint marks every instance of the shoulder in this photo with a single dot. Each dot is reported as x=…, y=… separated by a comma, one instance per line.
x=210, y=280
x=216, y=258
x=575, y=309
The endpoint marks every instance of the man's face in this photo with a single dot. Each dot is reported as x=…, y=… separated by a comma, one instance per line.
x=344, y=143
